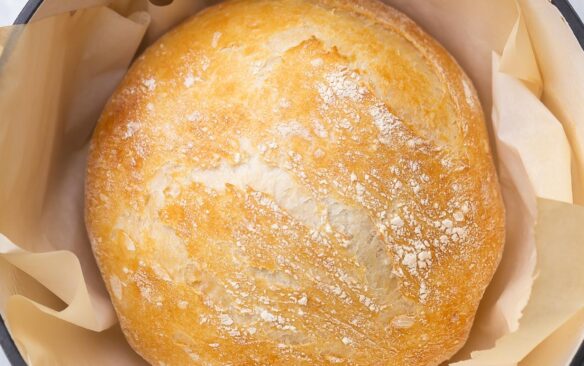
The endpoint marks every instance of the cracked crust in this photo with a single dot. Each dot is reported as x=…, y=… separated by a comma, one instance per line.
x=294, y=182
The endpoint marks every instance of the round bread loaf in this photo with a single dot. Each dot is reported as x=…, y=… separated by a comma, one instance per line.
x=295, y=182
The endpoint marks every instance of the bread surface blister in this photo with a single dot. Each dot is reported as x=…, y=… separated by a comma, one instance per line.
x=294, y=182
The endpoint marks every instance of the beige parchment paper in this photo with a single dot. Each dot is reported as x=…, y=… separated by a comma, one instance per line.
x=56, y=74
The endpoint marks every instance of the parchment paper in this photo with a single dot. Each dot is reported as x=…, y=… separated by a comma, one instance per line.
x=56, y=74
x=553, y=302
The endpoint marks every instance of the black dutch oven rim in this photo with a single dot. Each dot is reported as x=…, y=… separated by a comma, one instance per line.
x=31, y=7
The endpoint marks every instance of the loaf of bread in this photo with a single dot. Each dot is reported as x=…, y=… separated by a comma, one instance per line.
x=295, y=182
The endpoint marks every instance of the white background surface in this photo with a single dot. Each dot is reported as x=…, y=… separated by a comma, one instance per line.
x=579, y=6
x=9, y=10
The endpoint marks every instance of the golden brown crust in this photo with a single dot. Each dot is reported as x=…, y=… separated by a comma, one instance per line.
x=294, y=182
